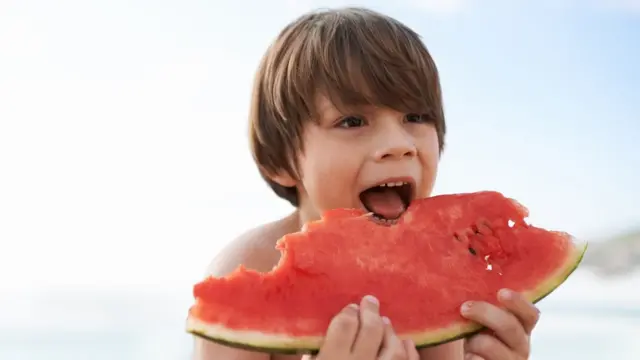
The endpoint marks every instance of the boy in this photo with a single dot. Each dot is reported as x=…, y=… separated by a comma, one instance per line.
x=344, y=101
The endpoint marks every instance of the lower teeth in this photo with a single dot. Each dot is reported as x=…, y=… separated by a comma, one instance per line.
x=383, y=220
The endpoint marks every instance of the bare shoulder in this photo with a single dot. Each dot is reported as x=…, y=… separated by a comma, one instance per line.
x=255, y=249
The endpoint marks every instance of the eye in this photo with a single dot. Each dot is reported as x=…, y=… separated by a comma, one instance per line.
x=351, y=121
x=417, y=118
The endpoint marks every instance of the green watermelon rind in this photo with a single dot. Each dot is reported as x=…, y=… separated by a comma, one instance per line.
x=286, y=344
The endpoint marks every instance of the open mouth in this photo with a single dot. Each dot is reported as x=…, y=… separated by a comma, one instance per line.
x=388, y=201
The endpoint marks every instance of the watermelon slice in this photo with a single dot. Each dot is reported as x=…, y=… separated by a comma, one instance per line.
x=441, y=252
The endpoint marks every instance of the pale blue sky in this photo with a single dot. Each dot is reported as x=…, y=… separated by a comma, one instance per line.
x=122, y=124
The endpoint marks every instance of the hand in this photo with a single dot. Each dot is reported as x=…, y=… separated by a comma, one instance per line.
x=361, y=333
x=511, y=328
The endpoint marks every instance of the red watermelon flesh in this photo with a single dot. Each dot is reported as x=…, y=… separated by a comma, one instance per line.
x=443, y=251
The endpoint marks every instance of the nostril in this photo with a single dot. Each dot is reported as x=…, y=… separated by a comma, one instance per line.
x=397, y=152
x=410, y=153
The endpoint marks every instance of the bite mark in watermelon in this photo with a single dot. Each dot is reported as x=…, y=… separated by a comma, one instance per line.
x=443, y=251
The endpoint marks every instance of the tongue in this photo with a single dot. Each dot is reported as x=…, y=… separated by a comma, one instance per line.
x=384, y=202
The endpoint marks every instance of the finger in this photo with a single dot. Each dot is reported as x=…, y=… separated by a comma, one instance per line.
x=341, y=332
x=471, y=356
x=392, y=347
x=487, y=347
x=371, y=329
x=506, y=326
x=524, y=310
x=410, y=349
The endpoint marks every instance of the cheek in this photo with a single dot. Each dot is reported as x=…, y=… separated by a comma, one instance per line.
x=328, y=175
x=429, y=152
x=429, y=146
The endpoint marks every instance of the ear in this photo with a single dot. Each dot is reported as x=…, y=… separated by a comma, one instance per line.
x=283, y=178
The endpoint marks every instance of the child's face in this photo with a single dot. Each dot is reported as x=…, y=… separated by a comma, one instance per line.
x=346, y=154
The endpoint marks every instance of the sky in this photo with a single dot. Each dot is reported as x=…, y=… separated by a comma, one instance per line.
x=123, y=147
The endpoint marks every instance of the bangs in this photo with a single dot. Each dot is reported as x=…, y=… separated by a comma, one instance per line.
x=355, y=57
x=357, y=60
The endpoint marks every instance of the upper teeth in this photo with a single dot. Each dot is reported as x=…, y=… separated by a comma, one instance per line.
x=392, y=184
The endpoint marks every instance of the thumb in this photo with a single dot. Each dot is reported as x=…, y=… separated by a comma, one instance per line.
x=308, y=357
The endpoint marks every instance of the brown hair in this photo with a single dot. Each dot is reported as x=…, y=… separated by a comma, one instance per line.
x=355, y=56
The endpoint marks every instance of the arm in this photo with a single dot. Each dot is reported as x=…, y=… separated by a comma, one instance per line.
x=238, y=252
x=449, y=351
x=207, y=350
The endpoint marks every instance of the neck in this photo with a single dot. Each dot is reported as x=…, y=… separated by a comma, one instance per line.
x=305, y=213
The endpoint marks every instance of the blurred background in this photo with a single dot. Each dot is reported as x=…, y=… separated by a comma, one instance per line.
x=124, y=163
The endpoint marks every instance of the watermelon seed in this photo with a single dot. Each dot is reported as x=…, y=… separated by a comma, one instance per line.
x=472, y=251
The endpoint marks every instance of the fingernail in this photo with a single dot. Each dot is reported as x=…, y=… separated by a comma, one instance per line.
x=351, y=307
x=372, y=299
x=505, y=294
x=469, y=356
x=386, y=320
x=466, y=307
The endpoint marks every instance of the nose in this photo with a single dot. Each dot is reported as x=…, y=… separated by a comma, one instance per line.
x=395, y=143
